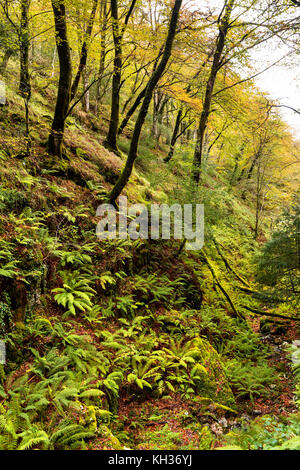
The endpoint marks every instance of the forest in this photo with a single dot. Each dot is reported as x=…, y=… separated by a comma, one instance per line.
x=143, y=343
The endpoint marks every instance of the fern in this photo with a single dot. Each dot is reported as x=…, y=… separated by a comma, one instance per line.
x=76, y=293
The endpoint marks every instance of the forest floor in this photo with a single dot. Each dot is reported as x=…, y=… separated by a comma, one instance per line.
x=151, y=422
x=150, y=301
x=281, y=401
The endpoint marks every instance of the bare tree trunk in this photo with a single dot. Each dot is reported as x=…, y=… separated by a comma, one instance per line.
x=258, y=205
x=24, y=85
x=111, y=139
x=154, y=129
x=53, y=62
x=159, y=103
x=237, y=158
x=86, y=97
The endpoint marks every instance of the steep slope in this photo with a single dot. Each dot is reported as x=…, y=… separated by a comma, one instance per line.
x=119, y=343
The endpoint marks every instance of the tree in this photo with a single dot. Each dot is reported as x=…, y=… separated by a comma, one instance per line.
x=118, y=33
x=21, y=28
x=65, y=79
x=8, y=42
x=66, y=89
x=157, y=73
x=278, y=265
x=177, y=132
x=84, y=50
x=224, y=25
x=234, y=41
x=24, y=86
x=103, y=24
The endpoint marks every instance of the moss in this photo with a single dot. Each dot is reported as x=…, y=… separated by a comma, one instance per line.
x=5, y=314
x=206, y=438
x=90, y=156
x=2, y=377
x=214, y=384
x=91, y=418
x=110, y=440
x=203, y=406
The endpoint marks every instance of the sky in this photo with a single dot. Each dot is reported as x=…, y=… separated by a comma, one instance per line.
x=281, y=82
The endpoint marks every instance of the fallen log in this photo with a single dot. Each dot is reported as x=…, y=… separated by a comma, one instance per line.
x=268, y=314
x=227, y=264
x=219, y=285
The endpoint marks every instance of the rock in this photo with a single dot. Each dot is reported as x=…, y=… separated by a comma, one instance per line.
x=213, y=384
x=216, y=429
x=223, y=422
x=246, y=417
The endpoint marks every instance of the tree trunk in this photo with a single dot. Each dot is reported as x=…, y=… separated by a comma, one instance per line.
x=65, y=79
x=86, y=97
x=237, y=158
x=154, y=129
x=111, y=139
x=174, y=136
x=156, y=75
x=24, y=85
x=132, y=110
x=84, y=50
x=103, y=25
x=138, y=100
x=160, y=116
x=159, y=103
x=217, y=61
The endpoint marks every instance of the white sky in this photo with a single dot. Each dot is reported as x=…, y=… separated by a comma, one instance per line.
x=281, y=82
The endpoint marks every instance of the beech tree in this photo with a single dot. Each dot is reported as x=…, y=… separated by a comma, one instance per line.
x=66, y=88
x=118, y=32
x=224, y=25
x=157, y=73
x=227, y=49
x=65, y=79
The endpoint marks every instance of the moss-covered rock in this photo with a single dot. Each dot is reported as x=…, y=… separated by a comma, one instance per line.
x=213, y=383
x=111, y=442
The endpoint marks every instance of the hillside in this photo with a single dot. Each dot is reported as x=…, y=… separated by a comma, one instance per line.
x=148, y=353
x=143, y=344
